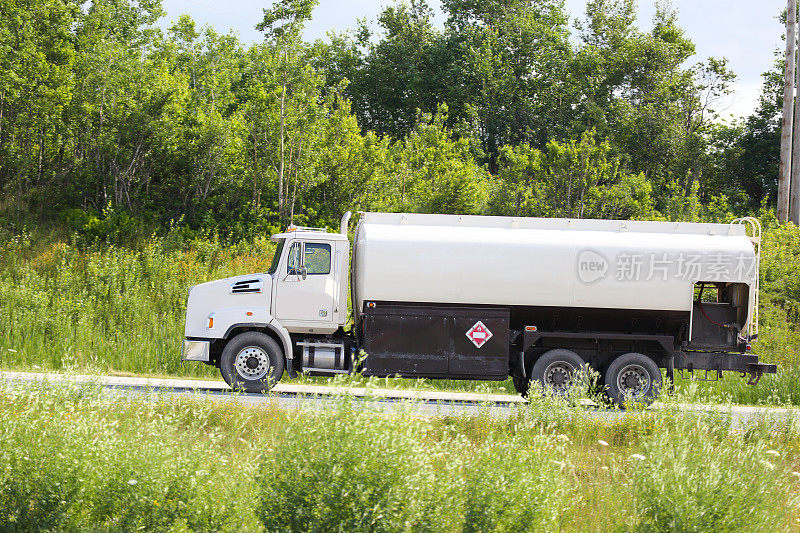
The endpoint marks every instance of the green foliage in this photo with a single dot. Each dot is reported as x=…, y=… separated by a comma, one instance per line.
x=436, y=173
x=746, y=154
x=780, y=261
x=66, y=466
x=286, y=17
x=73, y=459
x=393, y=477
x=378, y=481
x=691, y=481
x=572, y=180
x=508, y=488
x=113, y=226
x=503, y=111
x=108, y=308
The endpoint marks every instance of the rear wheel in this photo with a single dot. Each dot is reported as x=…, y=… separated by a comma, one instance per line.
x=632, y=377
x=555, y=369
x=252, y=362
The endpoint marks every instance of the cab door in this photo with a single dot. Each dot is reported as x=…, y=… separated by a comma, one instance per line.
x=306, y=286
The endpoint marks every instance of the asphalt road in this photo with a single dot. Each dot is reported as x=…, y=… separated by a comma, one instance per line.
x=423, y=403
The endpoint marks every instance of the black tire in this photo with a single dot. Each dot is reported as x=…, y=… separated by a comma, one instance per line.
x=632, y=377
x=554, y=370
x=252, y=362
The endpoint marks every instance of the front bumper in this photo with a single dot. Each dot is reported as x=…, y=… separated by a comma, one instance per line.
x=194, y=350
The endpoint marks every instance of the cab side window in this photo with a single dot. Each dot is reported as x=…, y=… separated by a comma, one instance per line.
x=318, y=258
x=293, y=263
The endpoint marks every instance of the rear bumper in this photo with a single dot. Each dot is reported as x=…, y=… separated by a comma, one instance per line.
x=194, y=350
x=734, y=362
x=761, y=368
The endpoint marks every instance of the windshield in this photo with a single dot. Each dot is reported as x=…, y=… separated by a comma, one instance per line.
x=277, y=256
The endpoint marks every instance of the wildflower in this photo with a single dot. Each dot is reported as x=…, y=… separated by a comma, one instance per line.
x=563, y=437
x=603, y=468
x=132, y=482
x=602, y=442
x=768, y=465
x=796, y=474
x=773, y=453
x=637, y=456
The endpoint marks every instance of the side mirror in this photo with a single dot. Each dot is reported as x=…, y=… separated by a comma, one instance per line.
x=303, y=271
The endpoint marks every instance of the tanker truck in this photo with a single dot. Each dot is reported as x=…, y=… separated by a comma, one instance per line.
x=488, y=298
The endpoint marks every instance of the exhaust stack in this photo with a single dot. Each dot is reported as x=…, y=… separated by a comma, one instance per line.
x=345, y=221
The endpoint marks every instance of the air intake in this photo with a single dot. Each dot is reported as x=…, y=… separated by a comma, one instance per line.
x=254, y=285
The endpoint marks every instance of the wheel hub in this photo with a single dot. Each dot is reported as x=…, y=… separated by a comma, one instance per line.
x=557, y=376
x=631, y=381
x=634, y=381
x=252, y=363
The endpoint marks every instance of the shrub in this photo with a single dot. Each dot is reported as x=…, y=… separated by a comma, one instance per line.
x=690, y=479
x=511, y=487
x=73, y=460
x=353, y=472
x=64, y=467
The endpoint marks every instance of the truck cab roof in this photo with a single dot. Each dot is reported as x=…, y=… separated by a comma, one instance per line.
x=308, y=233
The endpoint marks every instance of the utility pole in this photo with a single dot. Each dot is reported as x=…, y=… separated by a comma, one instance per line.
x=785, y=170
x=794, y=184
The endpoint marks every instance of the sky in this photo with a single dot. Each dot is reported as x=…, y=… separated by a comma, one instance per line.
x=747, y=32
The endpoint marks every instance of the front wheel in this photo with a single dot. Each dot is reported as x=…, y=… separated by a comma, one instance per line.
x=251, y=362
x=632, y=377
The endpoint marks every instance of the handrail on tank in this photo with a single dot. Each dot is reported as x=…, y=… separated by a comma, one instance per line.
x=754, y=225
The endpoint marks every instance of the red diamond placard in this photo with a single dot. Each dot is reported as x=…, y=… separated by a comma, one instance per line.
x=479, y=334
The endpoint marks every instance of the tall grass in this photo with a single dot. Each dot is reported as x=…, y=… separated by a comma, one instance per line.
x=105, y=308
x=690, y=481
x=71, y=459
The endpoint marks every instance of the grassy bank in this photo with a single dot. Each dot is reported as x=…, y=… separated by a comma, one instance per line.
x=71, y=460
x=110, y=309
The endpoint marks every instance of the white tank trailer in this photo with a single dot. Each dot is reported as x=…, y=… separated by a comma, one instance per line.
x=471, y=297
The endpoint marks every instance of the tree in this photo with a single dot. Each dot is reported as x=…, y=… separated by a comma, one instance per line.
x=431, y=172
x=508, y=66
x=636, y=92
x=401, y=73
x=746, y=154
x=124, y=99
x=282, y=25
x=572, y=180
x=37, y=54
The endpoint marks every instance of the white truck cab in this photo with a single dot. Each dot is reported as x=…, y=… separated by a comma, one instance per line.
x=303, y=292
x=470, y=297
x=308, y=280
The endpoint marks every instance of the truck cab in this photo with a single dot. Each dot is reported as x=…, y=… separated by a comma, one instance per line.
x=253, y=326
x=309, y=280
